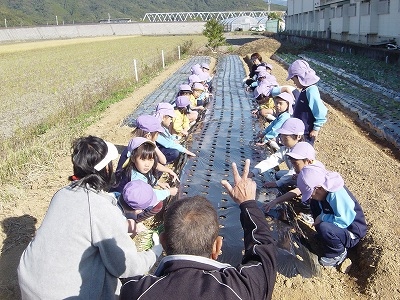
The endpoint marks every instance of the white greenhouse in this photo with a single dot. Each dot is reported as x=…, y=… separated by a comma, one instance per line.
x=242, y=23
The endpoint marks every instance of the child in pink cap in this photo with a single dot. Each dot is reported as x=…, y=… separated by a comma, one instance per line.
x=141, y=164
x=290, y=134
x=165, y=141
x=138, y=201
x=338, y=217
x=301, y=155
x=181, y=122
x=283, y=109
x=186, y=90
x=309, y=106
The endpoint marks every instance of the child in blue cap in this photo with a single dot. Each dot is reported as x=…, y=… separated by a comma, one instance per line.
x=338, y=217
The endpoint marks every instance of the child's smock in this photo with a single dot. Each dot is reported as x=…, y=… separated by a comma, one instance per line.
x=271, y=131
x=273, y=161
x=180, y=122
x=167, y=140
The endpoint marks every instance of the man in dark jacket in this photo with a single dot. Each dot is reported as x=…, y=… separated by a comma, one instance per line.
x=192, y=245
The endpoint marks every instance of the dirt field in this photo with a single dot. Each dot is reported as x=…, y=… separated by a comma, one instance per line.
x=370, y=172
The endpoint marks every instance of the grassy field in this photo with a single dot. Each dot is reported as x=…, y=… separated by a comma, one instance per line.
x=53, y=89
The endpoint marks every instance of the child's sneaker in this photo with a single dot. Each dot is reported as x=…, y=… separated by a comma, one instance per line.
x=333, y=261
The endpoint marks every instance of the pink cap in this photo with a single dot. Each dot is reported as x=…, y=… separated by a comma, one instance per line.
x=193, y=78
x=198, y=86
x=139, y=195
x=289, y=98
x=303, y=71
x=149, y=123
x=182, y=101
x=312, y=176
x=165, y=109
x=292, y=126
x=302, y=150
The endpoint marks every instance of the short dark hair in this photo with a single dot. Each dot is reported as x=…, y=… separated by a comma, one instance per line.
x=87, y=152
x=190, y=227
x=256, y=55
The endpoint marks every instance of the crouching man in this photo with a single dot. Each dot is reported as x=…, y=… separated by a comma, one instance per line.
x=191, y=242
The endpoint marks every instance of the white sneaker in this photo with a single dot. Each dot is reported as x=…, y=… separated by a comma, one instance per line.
x=333, y=261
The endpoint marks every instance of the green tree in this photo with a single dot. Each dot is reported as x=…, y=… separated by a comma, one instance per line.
x=214, y=32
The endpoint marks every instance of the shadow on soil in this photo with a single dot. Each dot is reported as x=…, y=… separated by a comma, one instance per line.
x=19, y=232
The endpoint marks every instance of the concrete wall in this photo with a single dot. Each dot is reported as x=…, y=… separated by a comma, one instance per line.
x=93, y=30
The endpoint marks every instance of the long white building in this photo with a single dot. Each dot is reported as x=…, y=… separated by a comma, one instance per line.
x=370, y=22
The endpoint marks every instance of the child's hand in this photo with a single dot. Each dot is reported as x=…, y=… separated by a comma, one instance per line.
x=190, y=153
x=266, y=208
x=174, y=176
x=260, y=144
x=173, y=191
x=270, y=184
x=163, y=185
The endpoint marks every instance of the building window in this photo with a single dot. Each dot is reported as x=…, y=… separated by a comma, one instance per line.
x=332, y=13
x=339, y=11
x=364, y=8
x=383, y=7
x=352, y=10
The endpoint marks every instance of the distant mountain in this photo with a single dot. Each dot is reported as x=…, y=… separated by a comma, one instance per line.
x=43, y=12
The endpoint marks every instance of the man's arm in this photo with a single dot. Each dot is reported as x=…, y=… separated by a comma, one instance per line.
x=260, y=250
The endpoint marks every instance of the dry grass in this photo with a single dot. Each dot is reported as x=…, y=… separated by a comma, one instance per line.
x=51, y=91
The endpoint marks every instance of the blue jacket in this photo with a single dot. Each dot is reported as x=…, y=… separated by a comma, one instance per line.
x=167, y=140
x=342, y=209
x=271, y=131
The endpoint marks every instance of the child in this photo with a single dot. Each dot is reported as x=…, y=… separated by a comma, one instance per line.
x=186, y=90
x=206, y=69
x=200, y=96
x=265, y=103
x=141, y=164
x=181, y=121
x=149, y=127
x=256, y=60
x=290, y=134
x=166, y=142
x=138, y=201
x=302, y=154
x=309, y=107
x=283, y=108
x=338, y=217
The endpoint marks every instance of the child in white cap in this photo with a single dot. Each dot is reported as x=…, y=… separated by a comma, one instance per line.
x=309, y=106
x=165, y=141
x=290, y=134
x=283, y=109
x=338, y=217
